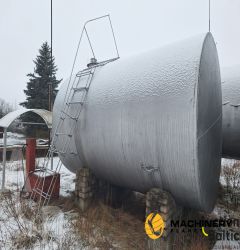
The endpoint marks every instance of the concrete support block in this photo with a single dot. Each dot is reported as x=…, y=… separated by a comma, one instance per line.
x=83, y=204
x=85, y=195
x=163, y=203
x=85, y=188
x=84, y=172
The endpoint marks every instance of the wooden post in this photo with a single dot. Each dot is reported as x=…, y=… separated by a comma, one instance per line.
x=30, y=155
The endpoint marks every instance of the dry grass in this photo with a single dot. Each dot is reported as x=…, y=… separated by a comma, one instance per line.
x=107, y=228
x=101, y=227
x=192, y=240
x=199, y=244
x=231, y=175
x=22, y=226
x=15, y=225
x=230, y=192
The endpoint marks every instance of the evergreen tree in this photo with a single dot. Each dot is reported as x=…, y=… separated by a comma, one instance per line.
x=37, y=91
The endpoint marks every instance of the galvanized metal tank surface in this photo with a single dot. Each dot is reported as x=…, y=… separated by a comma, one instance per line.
x=231, y=111
x=154, y=120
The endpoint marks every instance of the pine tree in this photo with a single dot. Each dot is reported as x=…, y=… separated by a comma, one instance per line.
x=37, y=91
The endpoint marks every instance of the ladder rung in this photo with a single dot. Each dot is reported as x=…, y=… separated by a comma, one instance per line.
x=61, y=152
x=55, y=151
x=45, y=170
x=74, y=118
x=40, y=169
x=84, y=73
x=40, y=192
x=77, y=102
x=51, y=171
x=85, y=70
x=57, y=134
x=80, y=89
x=73, y=153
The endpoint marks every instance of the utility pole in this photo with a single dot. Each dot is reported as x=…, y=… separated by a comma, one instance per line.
x=209, y=15
x=50, y=87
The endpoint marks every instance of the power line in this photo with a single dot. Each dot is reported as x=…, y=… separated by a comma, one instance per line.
x=209, y=16
x=51, y=28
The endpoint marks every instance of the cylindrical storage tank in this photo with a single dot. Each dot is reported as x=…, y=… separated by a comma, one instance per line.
x=231, y=111
x=153, y=120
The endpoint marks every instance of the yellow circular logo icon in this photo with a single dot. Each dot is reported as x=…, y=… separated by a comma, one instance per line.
x=154, y=226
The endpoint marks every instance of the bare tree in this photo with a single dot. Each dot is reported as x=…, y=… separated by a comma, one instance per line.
x=4, y=108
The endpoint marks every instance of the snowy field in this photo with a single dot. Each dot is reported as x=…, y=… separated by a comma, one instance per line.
x=61, y=226
x=15, y=167
x=18, y=139
x=14, y=139
x=55, y=225
x=15, y=175
x=56, y=228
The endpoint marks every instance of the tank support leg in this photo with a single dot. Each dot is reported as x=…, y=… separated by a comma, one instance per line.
x=161, y=202
x=84, y=188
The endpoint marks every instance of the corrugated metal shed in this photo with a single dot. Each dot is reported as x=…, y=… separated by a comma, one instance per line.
x=8, y=119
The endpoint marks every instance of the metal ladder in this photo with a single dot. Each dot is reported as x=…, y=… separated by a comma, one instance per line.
x=84, y=76
x=59, y=133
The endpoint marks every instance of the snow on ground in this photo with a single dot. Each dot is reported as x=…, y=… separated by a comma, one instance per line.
x=14, y=139
x=228, y=163
x=55, y=226
x=226, y=245
x=52, y=231
x=19, y=139
x=16, y=165
x=15, y=175
x=222, y=210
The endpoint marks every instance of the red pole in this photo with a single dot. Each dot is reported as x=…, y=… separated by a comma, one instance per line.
x=30, y=155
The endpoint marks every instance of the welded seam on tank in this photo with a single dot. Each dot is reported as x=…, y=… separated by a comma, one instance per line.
x=196, y=169
x=212, y=125
x=121, y=138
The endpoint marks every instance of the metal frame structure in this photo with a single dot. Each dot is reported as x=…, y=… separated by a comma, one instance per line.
x=84, y=30
x=4, y=158
x=72, y=87
x=7, y=120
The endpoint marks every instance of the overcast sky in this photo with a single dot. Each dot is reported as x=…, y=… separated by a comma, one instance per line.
x=139, y=25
